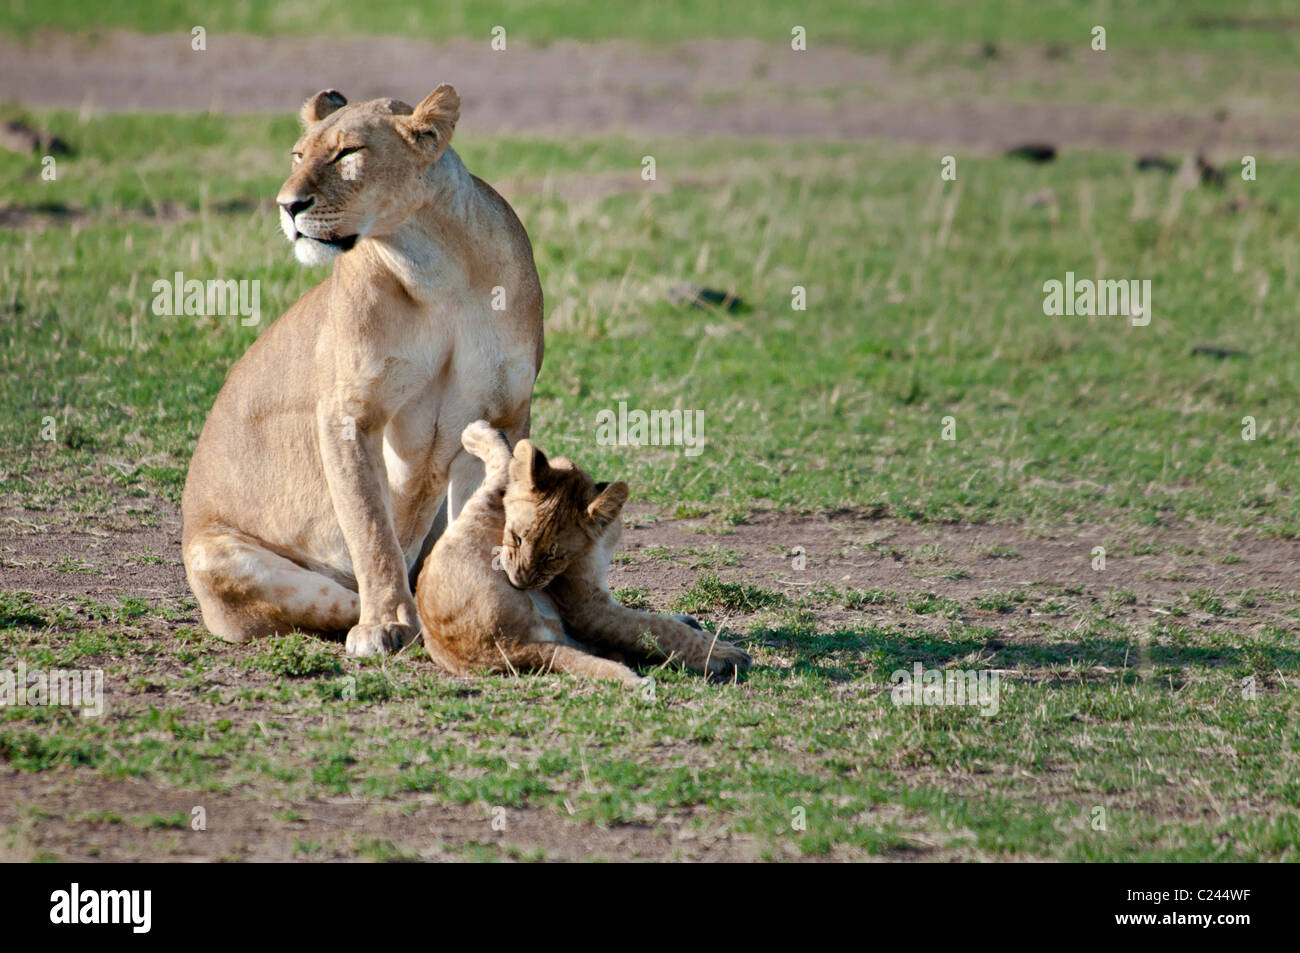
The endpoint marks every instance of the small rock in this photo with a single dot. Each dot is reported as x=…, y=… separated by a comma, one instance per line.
x=685, y=295
x=1033, y=152
x=17, y=136
x=1159, y=163
x=1210, y=175
x=1220, y=352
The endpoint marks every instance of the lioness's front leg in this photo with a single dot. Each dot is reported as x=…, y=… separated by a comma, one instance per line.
x=358, y=484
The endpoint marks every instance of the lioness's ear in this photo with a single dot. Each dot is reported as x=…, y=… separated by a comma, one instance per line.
x=321, y=105
x=430, y=125
x=604, y=509
x=530, y=464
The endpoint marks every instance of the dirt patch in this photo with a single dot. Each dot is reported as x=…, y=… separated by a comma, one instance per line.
x=1148, y=575
x=76, y=817
x=107, y=557
x=703, y=87
x=54, y=214
x=114, y=555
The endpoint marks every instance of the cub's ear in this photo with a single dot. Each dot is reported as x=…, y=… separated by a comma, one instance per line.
x=604, y=509
x=321, y=105
x=530, y=464
x=430, y=125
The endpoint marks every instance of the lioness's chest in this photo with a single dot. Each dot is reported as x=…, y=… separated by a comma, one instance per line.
x=471, y=370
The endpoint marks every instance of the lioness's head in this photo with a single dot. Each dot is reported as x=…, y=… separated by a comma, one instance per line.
x=358, y=169
x=555, y=513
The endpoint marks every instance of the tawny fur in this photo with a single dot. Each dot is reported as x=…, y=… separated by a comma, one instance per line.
x=332, y=456
x=538, y=535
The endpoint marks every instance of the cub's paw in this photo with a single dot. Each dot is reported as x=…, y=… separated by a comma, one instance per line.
x=690, y=620
x=484, y=441
x=726, y=660
x=379, y=638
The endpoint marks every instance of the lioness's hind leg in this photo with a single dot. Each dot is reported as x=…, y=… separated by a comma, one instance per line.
x=246, y=591
x=464, y=477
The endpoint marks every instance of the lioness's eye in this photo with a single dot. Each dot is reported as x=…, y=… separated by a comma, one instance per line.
x=514, y=537
x=344, y=153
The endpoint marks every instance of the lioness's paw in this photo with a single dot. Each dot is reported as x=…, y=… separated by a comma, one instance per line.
x=484, y=441
x=726, y=659
x=379, y=638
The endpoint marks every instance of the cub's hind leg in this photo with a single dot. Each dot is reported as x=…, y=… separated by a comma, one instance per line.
x=486, y=453
x=480, y=439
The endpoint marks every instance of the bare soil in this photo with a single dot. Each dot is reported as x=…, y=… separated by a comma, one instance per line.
x=846, y=549
x=699, y=88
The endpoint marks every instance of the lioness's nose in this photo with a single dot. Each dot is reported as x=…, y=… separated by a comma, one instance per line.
x=297, y=205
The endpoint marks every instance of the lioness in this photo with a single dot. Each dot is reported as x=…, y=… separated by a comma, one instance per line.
x=536, y=539
x=318, y=476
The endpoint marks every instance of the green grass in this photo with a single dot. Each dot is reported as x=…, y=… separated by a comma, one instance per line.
x=711, y=593
x=296, y=656
x=924, y=301
x=16, y=609
x=1001, y=601
x=1154, y=730
x=160, y=822
x=890, y=25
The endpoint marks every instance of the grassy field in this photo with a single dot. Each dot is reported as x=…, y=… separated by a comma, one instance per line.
x=1122, y=691
x=924, y=301
x=1259, y=27
x=293, y=725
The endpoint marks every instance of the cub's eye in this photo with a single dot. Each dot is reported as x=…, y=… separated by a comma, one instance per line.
x=344, y=153
x=297, y=157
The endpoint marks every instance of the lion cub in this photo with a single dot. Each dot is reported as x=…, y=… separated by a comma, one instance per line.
x=517, y=583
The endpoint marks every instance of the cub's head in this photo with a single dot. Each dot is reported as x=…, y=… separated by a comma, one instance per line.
x=555, y=513
x=358, y=170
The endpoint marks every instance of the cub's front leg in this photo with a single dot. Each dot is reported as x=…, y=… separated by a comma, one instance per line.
x=601, y=620
x=351, y=444
x=595, y=616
